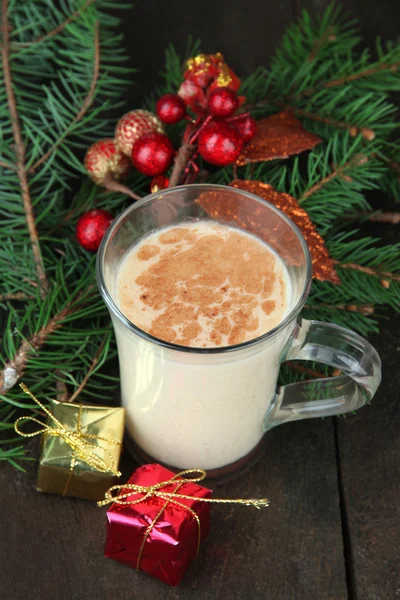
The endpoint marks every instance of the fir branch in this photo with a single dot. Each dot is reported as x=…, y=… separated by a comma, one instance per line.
x=89, y=372
x=14, y=368
x=327, y=36
x=15, y=296
x=358, y=159
x=393, y=67
x=391, y=163
x=85, y=105
x=7, y=166
x=366, y=132
x=20, y=151
x=378, y=217
x=59, y=27
x=363, y=309
x=385, y=217
x=383, y=275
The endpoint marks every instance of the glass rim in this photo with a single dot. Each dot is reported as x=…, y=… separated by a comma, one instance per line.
x=113, y=308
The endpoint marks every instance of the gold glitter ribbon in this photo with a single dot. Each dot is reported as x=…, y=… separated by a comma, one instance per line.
x=82, y=449
x=156, y=491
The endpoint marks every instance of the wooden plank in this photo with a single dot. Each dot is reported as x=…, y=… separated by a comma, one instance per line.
x=54, y=546
x=369, y=450
x=369, y=443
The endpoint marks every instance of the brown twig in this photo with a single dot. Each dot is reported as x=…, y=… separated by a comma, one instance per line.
x=14, y=368
x=62, y=389
x=7, y=166
x=113, y=186
x=366, y=132
x=16, y=296
x=364, y=309
x=181, y=159
x=59, y=27
x=89, y=372
x=349, y=78
x=20, y=151
x=385, y=217
x=378, y=217
x=385, y=276
x=327, y=36
x=358, y=159
x=391, y=163
x=85, y=105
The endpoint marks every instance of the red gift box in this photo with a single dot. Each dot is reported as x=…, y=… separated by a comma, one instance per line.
x=166, y=551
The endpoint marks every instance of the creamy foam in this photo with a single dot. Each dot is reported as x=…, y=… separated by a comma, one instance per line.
x=203, y=284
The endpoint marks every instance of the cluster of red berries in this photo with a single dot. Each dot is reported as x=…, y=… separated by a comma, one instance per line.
x=221, y=136
x=140, y=140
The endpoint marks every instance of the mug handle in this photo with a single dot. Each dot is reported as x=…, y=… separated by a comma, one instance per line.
x=338, y=347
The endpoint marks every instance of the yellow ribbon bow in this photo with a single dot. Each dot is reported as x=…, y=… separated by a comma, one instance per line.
x=75, y=439
x=155, y=490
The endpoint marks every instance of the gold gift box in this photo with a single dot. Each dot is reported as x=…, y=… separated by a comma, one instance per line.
x=61, y=470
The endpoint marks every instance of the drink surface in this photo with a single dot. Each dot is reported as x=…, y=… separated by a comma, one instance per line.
x=203, y=284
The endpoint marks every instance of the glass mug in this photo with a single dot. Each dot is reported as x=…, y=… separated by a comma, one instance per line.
x=209, y=408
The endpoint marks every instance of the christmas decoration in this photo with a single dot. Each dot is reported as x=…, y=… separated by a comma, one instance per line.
x=133, y=126
x=205, y=73
x=170, y=109
x=247, y=127
x=341, y=115
x=278, y=136
x=167, y=548
x=223, y=102
x=77, y=459
x=91, y=227
x=104, y=158
x=323, y=266
x=152, y=154
x=159, y=519
x=220, y=144
x=159, y=183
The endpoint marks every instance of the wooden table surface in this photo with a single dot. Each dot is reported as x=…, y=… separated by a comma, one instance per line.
x=331, y=531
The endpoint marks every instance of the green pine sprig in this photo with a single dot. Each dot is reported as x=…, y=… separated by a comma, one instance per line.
x=63, y=75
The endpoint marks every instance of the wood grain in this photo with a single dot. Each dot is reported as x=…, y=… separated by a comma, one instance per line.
x=369, y=451
x=53, y=546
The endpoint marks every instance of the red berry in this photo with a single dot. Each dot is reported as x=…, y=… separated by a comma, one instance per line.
x=247, y=128
x=104, y=158
x=152, y=154
x=220, y=144
x=223, y=102
x=159, y=183
x=170, y=109
x=132, y=126
x=91, y=228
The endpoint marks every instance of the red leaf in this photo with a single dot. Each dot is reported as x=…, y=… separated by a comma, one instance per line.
x=278, y=136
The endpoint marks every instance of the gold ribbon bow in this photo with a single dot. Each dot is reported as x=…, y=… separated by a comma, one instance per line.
x=75, y=439
x=156, y=490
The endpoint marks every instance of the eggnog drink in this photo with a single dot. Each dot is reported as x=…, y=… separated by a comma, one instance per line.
x=202, y=285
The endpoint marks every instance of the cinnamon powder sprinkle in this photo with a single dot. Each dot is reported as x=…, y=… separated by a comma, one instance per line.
x=203, y=286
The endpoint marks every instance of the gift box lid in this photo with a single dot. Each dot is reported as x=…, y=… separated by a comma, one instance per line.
x=98, y=421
